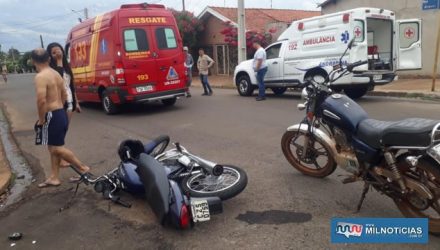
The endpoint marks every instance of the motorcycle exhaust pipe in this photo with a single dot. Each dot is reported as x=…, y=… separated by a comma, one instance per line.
x=212, y=167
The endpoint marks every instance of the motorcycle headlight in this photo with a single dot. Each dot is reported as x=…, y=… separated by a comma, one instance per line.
x=304, y=94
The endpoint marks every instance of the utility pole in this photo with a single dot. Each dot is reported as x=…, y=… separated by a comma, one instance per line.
x=86, y=13
x=434, y=71
x=271, y=4
x=241, y=32
x=13, y=59
x=41, y=40
x=183, y=4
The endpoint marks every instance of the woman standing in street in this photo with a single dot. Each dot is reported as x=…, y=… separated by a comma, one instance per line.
x=58, y=62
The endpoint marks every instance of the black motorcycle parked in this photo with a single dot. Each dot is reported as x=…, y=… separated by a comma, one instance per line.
x=400, y=159
x=181, y=188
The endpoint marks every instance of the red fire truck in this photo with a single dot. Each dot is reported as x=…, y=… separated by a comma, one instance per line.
x=132, y=54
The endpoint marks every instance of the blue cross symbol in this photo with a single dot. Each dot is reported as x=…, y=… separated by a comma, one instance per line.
x=103, y=46
x=345, y=37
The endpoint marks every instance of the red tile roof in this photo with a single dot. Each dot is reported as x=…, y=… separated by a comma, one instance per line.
x=257, y=19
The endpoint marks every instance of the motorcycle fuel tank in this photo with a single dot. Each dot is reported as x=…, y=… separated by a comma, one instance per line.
x=132, y=182
x=342, y=112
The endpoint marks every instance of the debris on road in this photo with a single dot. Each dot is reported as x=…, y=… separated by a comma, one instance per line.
x=15, y=236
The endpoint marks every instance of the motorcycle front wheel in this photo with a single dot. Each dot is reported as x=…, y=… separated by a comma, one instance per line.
x=317, y=161
x=232, y=182
x=413, y=205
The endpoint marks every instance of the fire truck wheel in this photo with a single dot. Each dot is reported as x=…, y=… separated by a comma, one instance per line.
x=109, y=106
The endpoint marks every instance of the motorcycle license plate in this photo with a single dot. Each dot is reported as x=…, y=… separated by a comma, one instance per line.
x=200, y=210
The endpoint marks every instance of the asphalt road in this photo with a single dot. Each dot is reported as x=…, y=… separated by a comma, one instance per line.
x=279, y=209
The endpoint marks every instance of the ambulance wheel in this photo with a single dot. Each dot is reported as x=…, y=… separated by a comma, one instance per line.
x=169, y=102
x=244, y=86
x=278, y=90
x=109, y=106
x=356, y=93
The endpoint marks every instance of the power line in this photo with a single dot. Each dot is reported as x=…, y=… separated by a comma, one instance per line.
x=46, y=18
x=26, y=28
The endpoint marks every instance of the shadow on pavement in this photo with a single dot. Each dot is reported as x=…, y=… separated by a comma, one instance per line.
x=135, y=109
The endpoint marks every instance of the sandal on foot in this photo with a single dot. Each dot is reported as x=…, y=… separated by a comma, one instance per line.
x=48, y=184
x=74, y=179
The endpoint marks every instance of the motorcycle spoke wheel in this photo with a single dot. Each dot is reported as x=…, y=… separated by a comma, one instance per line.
x=209, y=183
x=232, y=182
x=317, y=161
x=414, y=205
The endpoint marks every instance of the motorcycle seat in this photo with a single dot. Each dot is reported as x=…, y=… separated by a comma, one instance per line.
x=155, y=181
x=411, y=132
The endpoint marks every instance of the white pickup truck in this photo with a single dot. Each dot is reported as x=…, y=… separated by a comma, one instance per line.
x=310, y=47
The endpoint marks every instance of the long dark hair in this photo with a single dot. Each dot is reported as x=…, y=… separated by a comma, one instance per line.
x=66, y=67
x=53, y=61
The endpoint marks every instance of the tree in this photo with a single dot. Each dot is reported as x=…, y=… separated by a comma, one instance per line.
x=189, y=26
x=25, y=62
x=231, y=37
x=13, y=54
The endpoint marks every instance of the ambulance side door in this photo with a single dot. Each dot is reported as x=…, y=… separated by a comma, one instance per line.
x=409, y=44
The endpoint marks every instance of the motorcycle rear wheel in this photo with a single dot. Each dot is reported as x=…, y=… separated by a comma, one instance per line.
x=426, y=171
x=309, y=166
x=232, y=182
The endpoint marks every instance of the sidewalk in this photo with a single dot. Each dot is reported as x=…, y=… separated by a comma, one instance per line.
x=410, y=88
x=401, y=88
x=5, y=172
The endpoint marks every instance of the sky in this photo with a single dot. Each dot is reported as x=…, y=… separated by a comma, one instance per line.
x=23, y=21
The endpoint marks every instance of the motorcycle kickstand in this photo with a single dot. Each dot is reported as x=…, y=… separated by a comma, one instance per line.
x=364, y=194
x=69, y=203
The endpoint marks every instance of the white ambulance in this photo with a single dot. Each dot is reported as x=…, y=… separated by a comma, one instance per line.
x=310, y=47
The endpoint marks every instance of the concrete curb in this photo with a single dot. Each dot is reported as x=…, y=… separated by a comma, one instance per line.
x=426, y=96
x=416, y=95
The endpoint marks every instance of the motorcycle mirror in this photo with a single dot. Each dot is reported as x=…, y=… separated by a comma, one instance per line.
x=350, y=44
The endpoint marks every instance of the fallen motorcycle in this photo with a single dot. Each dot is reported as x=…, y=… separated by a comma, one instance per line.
x=180, y=187
x=400, y=159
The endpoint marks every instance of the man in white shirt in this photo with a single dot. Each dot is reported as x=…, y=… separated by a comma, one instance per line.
x=260, y=67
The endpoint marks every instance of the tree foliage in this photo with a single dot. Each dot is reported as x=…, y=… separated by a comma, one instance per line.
x=189, y=26
x=231, y=37
x=16, y=61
